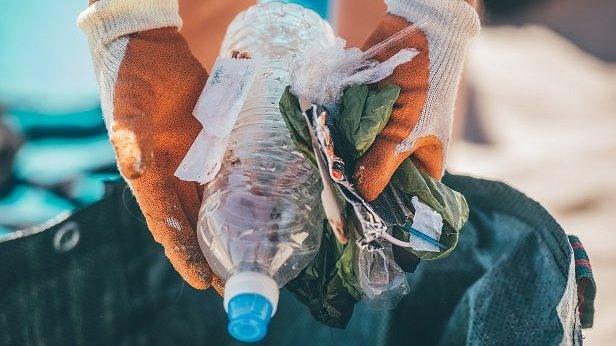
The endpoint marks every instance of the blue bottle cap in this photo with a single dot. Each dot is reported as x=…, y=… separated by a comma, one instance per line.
x=249, y=315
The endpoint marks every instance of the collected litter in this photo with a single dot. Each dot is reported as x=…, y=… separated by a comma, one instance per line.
x=261, y=224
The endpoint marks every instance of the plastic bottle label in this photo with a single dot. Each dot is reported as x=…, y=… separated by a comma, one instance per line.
x=217, y=110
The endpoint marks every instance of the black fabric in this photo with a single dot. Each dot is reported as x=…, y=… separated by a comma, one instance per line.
x=116, y=287
x=113, y=286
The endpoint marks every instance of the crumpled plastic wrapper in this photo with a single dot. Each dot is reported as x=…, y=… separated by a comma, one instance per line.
x=381, y=279
x=320, y=74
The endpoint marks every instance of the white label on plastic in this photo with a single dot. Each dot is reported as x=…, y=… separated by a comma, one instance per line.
x=427, y=221
x=217, y=110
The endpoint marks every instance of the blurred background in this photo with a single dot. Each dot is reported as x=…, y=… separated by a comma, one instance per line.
x=536, y=110
x=540, y=104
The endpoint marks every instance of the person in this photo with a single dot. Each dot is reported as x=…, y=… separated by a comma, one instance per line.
x=514, y=267
x=150, y=82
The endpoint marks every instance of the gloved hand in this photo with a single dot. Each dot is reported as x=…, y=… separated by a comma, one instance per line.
x=421, y=120
x=149, y=83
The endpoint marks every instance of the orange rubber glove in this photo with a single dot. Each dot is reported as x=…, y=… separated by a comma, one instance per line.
x=421, y=121
x=149, y=83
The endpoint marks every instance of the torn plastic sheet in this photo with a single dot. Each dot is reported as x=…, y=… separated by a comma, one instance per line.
x=217, y=110
x=321, y=74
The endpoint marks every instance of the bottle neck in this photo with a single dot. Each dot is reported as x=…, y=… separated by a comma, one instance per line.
x=276, y=30
x=322, y=7
x=252, y=283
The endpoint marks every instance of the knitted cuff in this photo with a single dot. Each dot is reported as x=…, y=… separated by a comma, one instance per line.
x=449, y=26
x=453, y=18
x=107, y=20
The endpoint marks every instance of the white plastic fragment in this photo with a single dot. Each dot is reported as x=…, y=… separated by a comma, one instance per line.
x=320, y=74
x=427, y=221
x=217, y=110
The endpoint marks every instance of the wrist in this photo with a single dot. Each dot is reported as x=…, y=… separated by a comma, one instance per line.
x=454, y=18
x=473, y=3
x=106, y=20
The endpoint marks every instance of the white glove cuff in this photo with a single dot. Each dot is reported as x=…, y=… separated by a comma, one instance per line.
x=445, y=18
x=106, y=20
x=449, y=26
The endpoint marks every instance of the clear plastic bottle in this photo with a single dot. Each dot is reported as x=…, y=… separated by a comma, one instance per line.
x=259, y=222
